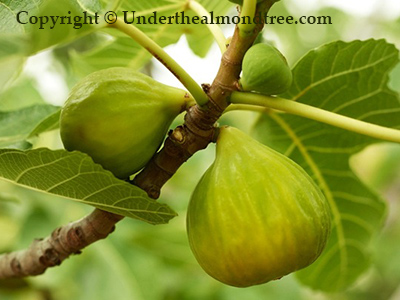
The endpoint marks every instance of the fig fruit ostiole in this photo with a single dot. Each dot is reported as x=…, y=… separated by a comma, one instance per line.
x=255, y=215
x=265, y=70
x=120, y=118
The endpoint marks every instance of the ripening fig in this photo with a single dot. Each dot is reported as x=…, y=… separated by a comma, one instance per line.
x=255, y=215
x=119, y=117
x=265, y=70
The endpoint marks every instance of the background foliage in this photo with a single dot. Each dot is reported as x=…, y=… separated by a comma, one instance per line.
x=140, y=261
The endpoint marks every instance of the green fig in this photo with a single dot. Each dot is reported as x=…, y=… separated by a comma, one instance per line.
x=265, y=70
x=255, y=215
x=120, y=118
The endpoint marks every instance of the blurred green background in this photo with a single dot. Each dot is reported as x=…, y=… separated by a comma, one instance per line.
x=139, y=261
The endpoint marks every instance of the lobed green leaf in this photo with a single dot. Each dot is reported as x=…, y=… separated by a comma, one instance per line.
x=349, y=79
x=74, y=175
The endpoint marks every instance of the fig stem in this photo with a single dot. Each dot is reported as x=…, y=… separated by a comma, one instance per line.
x=215, y=30
x=163, y=57
x=317, y=114
x=247, y=14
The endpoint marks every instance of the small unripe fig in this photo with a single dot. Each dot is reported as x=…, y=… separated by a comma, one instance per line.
x=265, y=70
x=255, y=215
x=120, y=118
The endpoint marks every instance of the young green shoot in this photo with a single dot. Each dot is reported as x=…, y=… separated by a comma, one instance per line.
x=247, y=14
x=213, y=28
x=159, y=53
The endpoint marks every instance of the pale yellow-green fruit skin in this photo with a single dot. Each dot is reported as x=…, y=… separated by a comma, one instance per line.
x=120, y=118
x=255, y=215
x=265, y=70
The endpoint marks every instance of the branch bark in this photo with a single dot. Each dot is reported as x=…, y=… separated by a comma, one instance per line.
x=64, y=241
x=195, y=134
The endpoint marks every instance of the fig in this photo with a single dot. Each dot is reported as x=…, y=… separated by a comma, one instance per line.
x=120, y=118
x=255, y=215
x=265, y=70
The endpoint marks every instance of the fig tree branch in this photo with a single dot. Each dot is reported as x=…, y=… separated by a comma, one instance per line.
x=64, y=241
x=195, y=134
x=318, y=114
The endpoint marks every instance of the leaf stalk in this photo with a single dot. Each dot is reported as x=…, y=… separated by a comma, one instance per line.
x=317, y=114
x=159, y=53
x=213, y=28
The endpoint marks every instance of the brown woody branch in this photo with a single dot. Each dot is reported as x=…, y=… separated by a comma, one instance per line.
x=195, y=134
x=64, y=241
